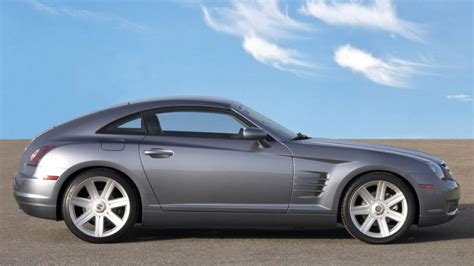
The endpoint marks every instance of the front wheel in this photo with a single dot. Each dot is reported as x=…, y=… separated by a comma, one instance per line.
x=378, y=208
x=99, y=206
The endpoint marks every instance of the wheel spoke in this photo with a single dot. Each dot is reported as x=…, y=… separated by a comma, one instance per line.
x=105, y=209
x=81, y=202
x=84, y=218
x=394, y=199
x=381, y=188
x=366, y=196
x=395, y=216
x=360, y=210
x=365, y=227
x=120, y=202
x=99, y=225
x=109, y=187
x=383, y=226
x=92, y=189
x=378, y=208
x=114, y=219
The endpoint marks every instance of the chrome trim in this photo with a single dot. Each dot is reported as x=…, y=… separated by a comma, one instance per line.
x=453, y=212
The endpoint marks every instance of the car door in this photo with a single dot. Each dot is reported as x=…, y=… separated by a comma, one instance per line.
x=196, y=160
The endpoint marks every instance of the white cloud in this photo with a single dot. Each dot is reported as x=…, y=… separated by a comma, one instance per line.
x=262, y=18
x=271, y=54
x=87, y=15
x=379, y=14
x=120, y=22
x=390, y=72
x=460, y=97
x=42, y=7
x=260, y=24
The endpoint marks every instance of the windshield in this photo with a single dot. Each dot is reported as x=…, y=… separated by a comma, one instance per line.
x=267, y=123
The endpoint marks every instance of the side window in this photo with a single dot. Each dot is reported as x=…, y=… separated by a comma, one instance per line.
x=199, y=123
x=128, y=125
x=133, y=124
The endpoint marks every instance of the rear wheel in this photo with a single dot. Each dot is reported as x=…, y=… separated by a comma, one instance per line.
x=100, y=206
x=378, y=208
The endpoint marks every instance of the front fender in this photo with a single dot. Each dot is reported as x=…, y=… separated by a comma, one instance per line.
x=345, y=180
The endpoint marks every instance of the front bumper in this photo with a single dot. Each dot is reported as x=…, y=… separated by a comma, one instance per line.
x=438, y=204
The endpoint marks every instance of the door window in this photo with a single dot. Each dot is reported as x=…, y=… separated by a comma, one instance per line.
x=199, y=123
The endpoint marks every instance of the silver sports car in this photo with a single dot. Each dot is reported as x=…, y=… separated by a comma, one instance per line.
x=206, y=162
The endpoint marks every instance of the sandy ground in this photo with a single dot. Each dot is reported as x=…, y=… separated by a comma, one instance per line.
x=28, y=240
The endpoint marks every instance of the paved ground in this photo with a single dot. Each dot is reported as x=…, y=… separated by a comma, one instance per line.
x=27, y=240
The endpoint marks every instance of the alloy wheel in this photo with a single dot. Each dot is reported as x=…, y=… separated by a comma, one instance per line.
x=99, y=206
x=378, y=209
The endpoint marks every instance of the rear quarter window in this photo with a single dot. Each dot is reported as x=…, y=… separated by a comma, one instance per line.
x=129, y=125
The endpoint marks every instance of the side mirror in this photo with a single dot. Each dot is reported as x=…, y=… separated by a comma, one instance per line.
x=254, y=134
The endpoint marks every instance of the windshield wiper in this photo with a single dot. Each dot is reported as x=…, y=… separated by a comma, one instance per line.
x=300, y=136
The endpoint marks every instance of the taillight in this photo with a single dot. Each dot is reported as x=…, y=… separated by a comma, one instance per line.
x=38, y=154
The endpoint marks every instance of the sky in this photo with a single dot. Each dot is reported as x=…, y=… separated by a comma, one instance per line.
x=333, y=69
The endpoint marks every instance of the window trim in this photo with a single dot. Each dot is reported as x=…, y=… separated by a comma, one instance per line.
x=147, y=129
x=112, y=128
x=218, y=110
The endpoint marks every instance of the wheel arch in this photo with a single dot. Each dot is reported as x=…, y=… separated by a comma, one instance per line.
x=70, y=175
x=358, y=174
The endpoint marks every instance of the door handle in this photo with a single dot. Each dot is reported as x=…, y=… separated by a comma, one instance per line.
x=159, y=153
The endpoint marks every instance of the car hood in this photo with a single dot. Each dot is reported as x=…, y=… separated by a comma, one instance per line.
x=373, y=147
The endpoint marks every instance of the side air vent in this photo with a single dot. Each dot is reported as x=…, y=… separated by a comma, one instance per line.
x=309, y=184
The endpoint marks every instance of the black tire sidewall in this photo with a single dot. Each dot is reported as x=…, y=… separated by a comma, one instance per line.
x=383, y=176
x=132, y=218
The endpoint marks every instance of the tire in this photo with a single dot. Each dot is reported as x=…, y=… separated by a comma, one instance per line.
x=382, y=215
x=113, y=206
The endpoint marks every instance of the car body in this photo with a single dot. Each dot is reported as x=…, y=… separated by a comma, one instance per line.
x=218, y=179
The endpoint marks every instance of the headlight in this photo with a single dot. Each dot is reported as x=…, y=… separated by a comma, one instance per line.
x=436, y=169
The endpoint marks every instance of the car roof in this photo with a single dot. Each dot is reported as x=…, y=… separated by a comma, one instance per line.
x=185, y=100
x=88, y=124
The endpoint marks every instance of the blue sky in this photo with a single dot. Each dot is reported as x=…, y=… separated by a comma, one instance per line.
x=344, y=69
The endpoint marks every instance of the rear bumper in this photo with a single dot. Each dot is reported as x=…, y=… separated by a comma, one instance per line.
x=38, y=210
x=34, y=196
